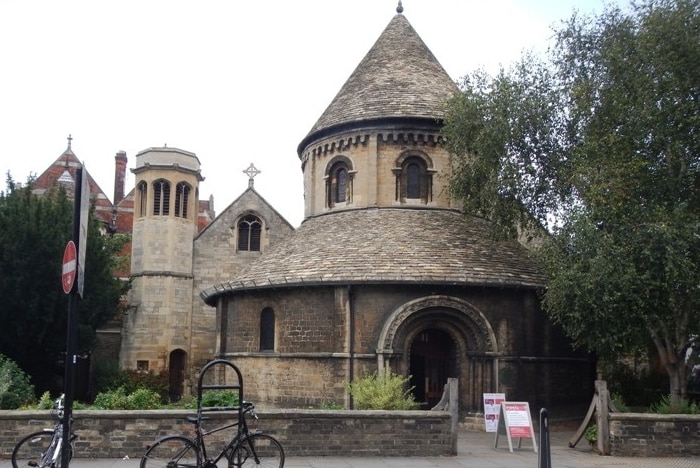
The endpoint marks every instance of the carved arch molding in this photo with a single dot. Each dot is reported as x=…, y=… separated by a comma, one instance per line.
x=471, y=323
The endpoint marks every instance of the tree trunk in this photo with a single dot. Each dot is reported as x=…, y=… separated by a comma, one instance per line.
x=676, y=368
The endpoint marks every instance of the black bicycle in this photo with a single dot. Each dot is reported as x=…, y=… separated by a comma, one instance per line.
x=42, y=449
x=247, y=449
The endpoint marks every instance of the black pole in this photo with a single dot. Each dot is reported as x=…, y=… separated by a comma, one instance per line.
x=72, y=334
x=545, y=457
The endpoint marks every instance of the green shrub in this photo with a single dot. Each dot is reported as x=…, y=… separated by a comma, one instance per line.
x=109, y=378
x=385, y=391
x=46, y=402
x=664, y=406
x=119, y=399
x=591, y=434
x=619, y=403
x=216, y=398
x=15, y=387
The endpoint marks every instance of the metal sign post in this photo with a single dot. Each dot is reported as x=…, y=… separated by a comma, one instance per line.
x=69, y=269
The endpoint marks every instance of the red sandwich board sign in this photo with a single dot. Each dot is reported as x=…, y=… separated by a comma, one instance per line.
x=69, y=270
x=515, y=421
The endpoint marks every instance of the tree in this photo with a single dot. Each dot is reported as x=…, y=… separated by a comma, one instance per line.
x=599, y=144
x=33, y=233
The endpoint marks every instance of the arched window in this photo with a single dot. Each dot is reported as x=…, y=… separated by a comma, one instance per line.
x=249, y=233
x=339, y=182
x=182, y=198
x=267, y=330
x=143, y=199
x=161, y=197
x=413, y=179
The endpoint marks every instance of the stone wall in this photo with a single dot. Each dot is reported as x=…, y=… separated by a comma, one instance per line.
x=117, y=434
x=654, y=435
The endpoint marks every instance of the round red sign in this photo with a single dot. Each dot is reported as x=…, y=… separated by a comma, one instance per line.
x=70, y=267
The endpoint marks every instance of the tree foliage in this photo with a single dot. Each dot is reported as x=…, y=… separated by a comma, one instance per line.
x=34, y=231
x=599, y=143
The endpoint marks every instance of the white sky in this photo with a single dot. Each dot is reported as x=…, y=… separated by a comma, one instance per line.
x=232, y=81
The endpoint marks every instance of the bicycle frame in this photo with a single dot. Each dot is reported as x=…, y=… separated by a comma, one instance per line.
x=241, y=434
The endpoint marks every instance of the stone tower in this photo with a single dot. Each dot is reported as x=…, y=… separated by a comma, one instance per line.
x=157, y=329
x=379, y=143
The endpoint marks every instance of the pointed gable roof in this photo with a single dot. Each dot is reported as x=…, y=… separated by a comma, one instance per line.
x=399, y=78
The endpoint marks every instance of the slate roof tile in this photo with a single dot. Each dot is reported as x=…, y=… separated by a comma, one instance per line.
x=389, y=245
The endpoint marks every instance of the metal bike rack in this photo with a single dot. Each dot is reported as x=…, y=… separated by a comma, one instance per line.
x=220, y=364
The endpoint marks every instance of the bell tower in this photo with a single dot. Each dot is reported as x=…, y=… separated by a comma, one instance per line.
x=156, y=330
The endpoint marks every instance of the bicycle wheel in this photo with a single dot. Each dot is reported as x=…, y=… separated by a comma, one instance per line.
x=172, y=452
x=32, y=450
x=258, y=450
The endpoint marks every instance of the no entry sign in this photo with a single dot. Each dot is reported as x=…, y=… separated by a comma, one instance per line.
x=70, y=265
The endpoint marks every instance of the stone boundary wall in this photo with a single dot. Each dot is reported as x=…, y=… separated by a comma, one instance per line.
x=654, y=435
x=117, y=434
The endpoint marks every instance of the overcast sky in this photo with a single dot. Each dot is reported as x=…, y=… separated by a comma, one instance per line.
x=233, y=82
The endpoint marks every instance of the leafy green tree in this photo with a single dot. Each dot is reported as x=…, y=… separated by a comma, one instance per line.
x=15, y=388
x=33, y=233
x=599, y=144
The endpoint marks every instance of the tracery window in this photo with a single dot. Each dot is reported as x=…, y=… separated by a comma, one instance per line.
x=267, y=330
x=143, y=199
x=249, y=233
x=161, y=197
x=182, y=198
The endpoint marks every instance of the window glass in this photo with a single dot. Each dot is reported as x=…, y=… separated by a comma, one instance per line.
x=341, y=184
x=249, y=233
x=267, y=330
x=413, y=180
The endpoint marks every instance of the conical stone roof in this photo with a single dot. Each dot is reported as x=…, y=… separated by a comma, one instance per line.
x=388, y=245
x=399, y=78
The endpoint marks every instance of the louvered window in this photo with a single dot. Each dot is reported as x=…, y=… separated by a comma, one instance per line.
x=143, y=199
x=249, y=234
x=161, y=197
x=182, y=198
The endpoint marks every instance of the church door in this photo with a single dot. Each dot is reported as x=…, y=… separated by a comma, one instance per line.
x=432, y=361
x=177, y=374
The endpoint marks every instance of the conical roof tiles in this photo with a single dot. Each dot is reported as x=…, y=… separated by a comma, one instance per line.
x=389, y=245
x=398, y=78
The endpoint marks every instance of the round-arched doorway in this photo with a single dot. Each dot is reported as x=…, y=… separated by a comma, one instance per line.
x=432, y=359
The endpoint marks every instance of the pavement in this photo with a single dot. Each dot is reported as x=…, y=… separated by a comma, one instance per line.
x=475, y=450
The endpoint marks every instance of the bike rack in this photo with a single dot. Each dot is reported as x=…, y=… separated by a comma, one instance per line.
x=202, y=387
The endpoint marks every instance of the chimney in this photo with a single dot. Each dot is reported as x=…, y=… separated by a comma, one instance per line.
x=119, y=176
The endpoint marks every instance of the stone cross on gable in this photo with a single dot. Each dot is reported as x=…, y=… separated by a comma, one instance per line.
x=251, y=172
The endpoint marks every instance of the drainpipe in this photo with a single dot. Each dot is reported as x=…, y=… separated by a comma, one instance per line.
x=351, y=331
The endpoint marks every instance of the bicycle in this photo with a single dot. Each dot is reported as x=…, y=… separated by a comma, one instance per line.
x=42, y=449
x=247, y=449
